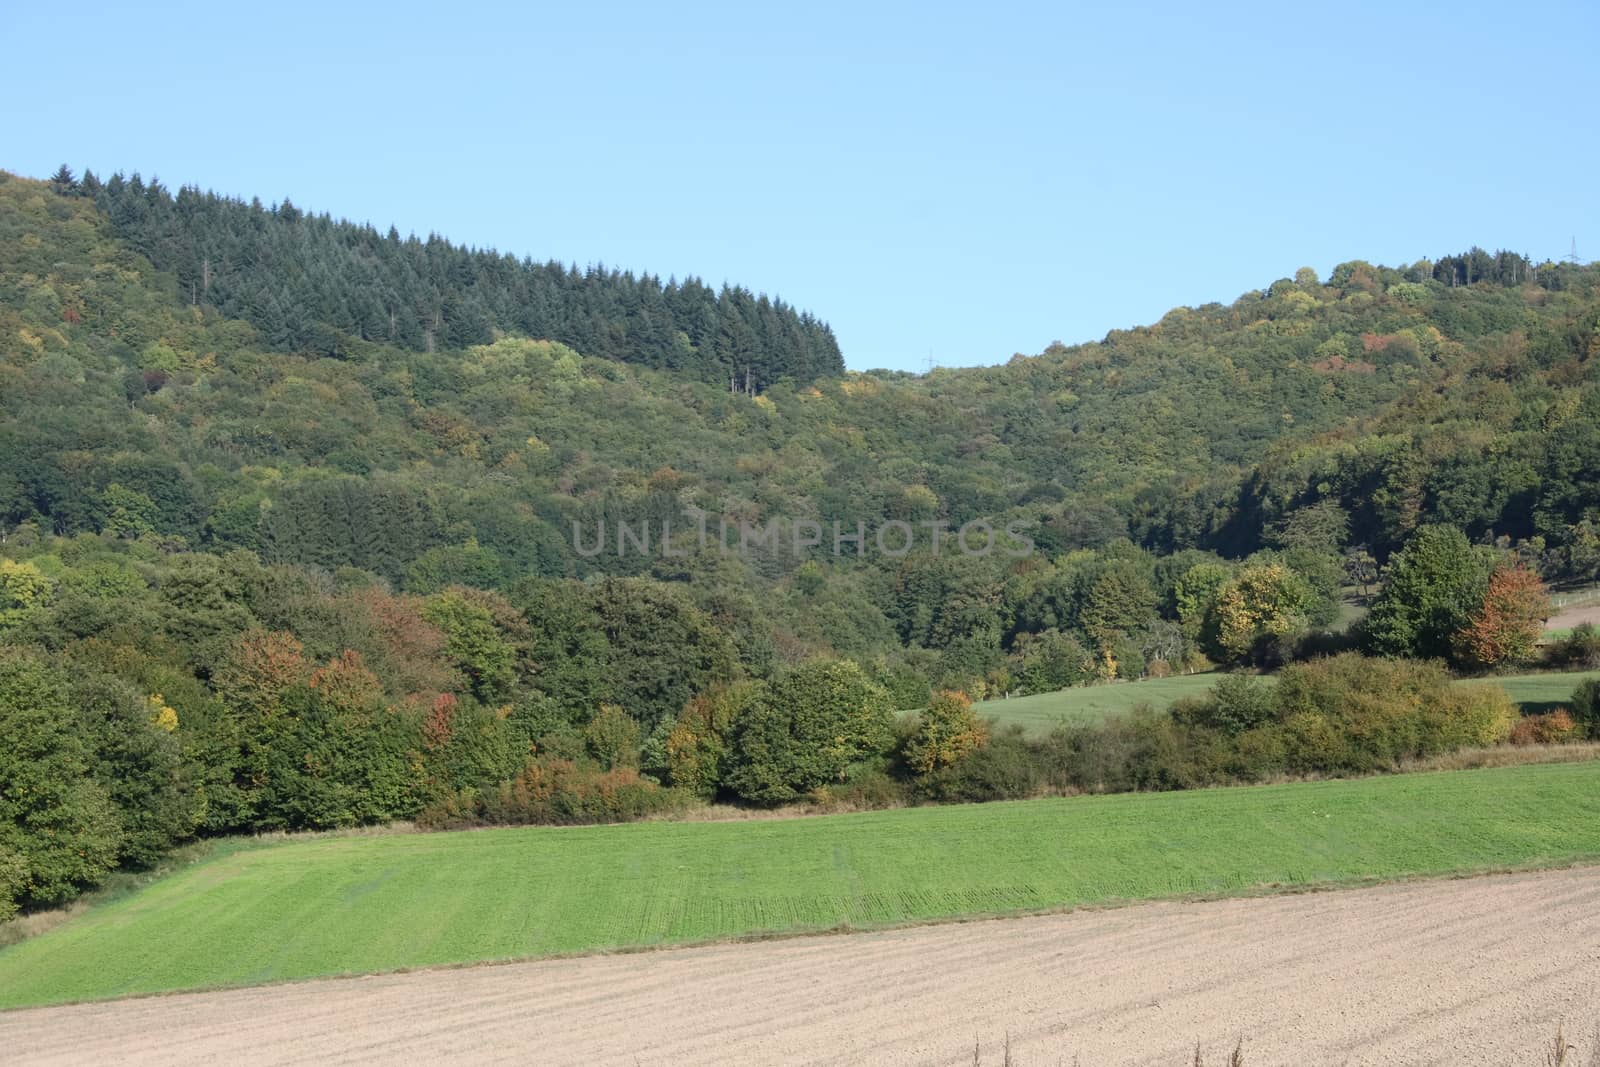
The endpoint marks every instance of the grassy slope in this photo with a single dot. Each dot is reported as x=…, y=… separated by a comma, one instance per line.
x=358, y=904
x=1545, y=692
x=1039, y=713
x=1091, y=703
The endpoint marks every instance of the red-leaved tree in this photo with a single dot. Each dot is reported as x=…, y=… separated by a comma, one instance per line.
x=1506, y=627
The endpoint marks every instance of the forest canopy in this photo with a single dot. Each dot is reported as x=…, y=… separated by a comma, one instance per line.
x=311, y=283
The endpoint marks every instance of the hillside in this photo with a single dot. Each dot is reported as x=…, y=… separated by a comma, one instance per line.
x=259, y=577
x=311, y=284
x=1383, y=393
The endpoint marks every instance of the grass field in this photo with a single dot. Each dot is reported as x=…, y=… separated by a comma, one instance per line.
x=1042, y=712
x=1090, y=703
x=1545, y=692
x=266, y=912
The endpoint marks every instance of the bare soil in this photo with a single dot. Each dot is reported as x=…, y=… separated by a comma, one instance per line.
x=1478, y=970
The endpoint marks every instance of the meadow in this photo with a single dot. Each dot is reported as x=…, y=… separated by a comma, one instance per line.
x=262, y=911
x=1042, y=712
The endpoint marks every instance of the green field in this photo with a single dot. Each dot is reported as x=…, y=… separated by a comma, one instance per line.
x=334, y=905
x=1544, y=692
x=1091, y=703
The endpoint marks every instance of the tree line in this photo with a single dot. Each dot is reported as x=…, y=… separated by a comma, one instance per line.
x=308, y=282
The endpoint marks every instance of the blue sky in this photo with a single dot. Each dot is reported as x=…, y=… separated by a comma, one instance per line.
x=955, y=181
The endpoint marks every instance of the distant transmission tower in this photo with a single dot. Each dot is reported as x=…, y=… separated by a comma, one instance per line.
x=1572, y=256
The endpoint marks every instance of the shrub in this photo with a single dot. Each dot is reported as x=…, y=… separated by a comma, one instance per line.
x=1171, y=755
x=1352, y=713
x=1586, y=707
x=1091, y=759
x=1467, y=716
x=1551, y=728
x=869, y=790
x=1259, y=753
x=1579, y=650
x=1237, y=703
x=1008, y=767
x=558, y=792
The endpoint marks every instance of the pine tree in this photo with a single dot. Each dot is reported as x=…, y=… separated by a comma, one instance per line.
x=63, y=181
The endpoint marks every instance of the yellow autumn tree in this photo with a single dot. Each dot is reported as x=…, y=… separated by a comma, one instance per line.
x=24, y=589
x=946, y=732
x=1263, y=600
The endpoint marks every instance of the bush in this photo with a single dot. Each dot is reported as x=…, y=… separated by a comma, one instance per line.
x=555, y=792
x=1586, y=708
x=870, y=789
x=1467, y=716
x=1170, y=755
x=1007, y=768
x=1090, y=759
x=1578, y=651
x=1237, y=703
x=1551, y=728
x=1259, y=753
x=1351, y=713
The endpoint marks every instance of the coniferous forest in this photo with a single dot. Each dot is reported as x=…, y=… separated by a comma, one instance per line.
x=311, y=284
x=287, y=511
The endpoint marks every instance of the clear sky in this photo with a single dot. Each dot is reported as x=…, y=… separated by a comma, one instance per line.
x=960, y=181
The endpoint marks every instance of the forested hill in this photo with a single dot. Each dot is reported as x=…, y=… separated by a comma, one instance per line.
x=261, y=577
x=1401, y=394
x=1361, y=406
x=310, y=283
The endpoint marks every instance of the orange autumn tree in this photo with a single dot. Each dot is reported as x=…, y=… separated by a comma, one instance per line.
x=1505, y=629
x=347, y=684
x=259, y=666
